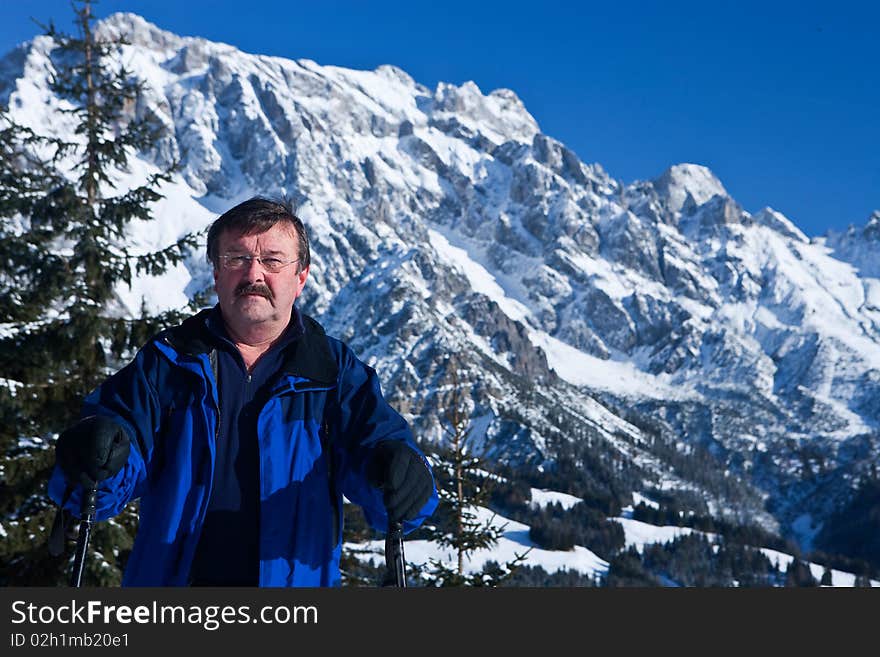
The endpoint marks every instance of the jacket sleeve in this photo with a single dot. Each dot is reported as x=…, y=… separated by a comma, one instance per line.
x=129, y=398
x=365, y=419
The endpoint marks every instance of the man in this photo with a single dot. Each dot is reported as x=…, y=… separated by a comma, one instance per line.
x=241, y=429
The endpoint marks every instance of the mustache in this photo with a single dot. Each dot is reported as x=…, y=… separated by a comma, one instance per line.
x=254, y=288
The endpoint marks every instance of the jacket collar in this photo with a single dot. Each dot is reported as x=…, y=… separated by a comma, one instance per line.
x=308, y=356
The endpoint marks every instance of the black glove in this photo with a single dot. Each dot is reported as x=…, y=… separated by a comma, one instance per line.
x=405, y=479
x=93, y=449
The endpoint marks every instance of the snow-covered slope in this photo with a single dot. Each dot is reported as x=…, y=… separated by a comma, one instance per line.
x=515, y=541
x=646, y=320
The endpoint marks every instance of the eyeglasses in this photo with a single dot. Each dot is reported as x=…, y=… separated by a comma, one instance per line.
x=269, y=263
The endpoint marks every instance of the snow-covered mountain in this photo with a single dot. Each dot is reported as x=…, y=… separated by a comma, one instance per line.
x=692, y=345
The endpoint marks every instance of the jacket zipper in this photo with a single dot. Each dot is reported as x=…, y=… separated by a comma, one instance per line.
x=327, y=448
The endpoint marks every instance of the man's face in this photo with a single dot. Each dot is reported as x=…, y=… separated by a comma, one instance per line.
x=251, y=295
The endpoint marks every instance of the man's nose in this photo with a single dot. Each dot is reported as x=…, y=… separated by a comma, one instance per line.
x=254, y=270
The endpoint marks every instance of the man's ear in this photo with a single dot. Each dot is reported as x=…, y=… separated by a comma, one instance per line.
x=301, y=280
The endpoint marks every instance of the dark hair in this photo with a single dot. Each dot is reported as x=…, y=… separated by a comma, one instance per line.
x=255, y=216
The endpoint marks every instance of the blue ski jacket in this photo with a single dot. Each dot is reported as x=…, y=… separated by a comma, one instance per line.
x=316, y=433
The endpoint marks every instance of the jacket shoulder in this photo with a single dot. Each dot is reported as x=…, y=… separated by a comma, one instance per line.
x=336, y=349
x=188, y=337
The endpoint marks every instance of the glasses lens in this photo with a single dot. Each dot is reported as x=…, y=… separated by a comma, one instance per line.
x=237, y=261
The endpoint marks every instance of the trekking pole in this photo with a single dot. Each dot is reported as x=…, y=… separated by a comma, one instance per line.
x=85, y=531
x=395, y=563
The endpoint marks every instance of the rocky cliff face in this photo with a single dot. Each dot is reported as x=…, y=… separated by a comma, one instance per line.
x=646, y=320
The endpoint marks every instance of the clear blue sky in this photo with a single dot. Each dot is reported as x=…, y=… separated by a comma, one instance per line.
x=780, y=99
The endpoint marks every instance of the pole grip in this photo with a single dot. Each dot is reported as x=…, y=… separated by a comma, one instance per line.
x=395, y=561
x=85, y=530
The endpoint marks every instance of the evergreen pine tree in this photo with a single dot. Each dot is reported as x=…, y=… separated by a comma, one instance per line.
x=62, y=258
x=862, y=581
x=798, y=574
x=463, y=485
